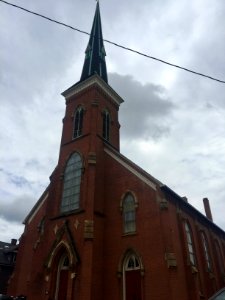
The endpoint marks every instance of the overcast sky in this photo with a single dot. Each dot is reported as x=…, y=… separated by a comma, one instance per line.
x=172, y=122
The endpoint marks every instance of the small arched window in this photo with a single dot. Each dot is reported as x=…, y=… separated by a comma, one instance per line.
x=106, y=125
x=206, y=252
x=190, y=244
x=78, y=122
x=71, y=185
x=129, y=214
x=65, y=263
x=132, y=263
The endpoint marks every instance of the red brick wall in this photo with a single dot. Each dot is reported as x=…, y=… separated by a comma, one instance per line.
x=159, y=226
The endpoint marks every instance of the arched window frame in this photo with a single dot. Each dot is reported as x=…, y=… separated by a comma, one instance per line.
x=41, y=226
x=223, y=247
x=219, y=258
x=205, y=245
x=129, y=212
x=131, y=262
x=78, y=122
x=106, y=125
x=190, y=244
x=71, y=183
x=64, y=262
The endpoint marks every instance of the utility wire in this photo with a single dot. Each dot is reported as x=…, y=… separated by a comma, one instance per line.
x=115, y=44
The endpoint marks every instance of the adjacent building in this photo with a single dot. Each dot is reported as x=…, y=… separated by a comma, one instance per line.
x=104, y=228
x=8, y=253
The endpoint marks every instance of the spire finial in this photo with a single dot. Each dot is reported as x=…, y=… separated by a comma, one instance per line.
x=94, y=62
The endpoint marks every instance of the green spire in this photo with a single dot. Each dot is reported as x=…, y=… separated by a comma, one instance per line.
x=94, y=62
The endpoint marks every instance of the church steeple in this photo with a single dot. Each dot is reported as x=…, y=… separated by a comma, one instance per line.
x=94, y=62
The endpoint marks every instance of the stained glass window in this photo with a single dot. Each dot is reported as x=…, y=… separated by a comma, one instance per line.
x=206, y=252
x=129, y=214
x=106, y=125
x=190, y=244
x=71, y=186
x=78, y=122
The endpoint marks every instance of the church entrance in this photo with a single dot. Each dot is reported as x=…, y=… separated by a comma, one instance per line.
x=62, y=278
x=61, y=266
x=132, y=278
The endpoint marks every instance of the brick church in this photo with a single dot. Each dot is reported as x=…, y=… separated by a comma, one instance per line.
x=104, y=228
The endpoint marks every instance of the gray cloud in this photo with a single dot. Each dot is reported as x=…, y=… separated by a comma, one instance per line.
x=19, y=181
x=16, y=210
x=146, y=110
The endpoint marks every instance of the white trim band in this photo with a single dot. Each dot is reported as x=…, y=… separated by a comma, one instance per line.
x=132, y=170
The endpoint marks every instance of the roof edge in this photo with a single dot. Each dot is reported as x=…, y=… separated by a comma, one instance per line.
x=168, y=190
x=36, y=206
x=143, y=175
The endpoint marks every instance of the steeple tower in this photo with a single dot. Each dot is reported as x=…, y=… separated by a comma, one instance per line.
x=91, y=102
x=94, y=62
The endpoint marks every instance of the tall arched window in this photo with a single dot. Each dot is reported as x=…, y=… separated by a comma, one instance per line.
x=78, y=122
x=106, y=125
x=219, y=258
x=129, y=213
x=190, y=244
x=206, y=252
x=71, y=186
x=132, y=278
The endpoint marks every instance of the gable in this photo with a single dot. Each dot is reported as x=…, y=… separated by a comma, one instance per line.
x=63, y=239
x=134, y=169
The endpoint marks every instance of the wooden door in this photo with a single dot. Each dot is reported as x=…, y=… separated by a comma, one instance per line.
x=63, y=284
x=133, y=285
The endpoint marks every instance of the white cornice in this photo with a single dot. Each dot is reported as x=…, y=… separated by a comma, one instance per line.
x=95, y=79
x=35, y=210
x=131, y=169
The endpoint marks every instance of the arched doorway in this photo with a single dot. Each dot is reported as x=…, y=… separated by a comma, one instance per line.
x=61, y=266
x=62, y=278
x=132, y=289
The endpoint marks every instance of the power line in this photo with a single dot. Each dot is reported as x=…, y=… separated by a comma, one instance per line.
x=115, y=44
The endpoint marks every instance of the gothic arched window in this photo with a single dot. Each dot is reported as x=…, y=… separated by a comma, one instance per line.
x=106, y=125
x=206, y=252
x=78, y=122
x=190, y=244
x=129, y=213
x=219, y=258
x=71, y=185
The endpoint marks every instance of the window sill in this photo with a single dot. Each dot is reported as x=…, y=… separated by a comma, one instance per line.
x=130, y=233
x=211, y=275
x=78, y=137
x=194, y=270
x=107, y=142
x=75, y=139
x=66, y=214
